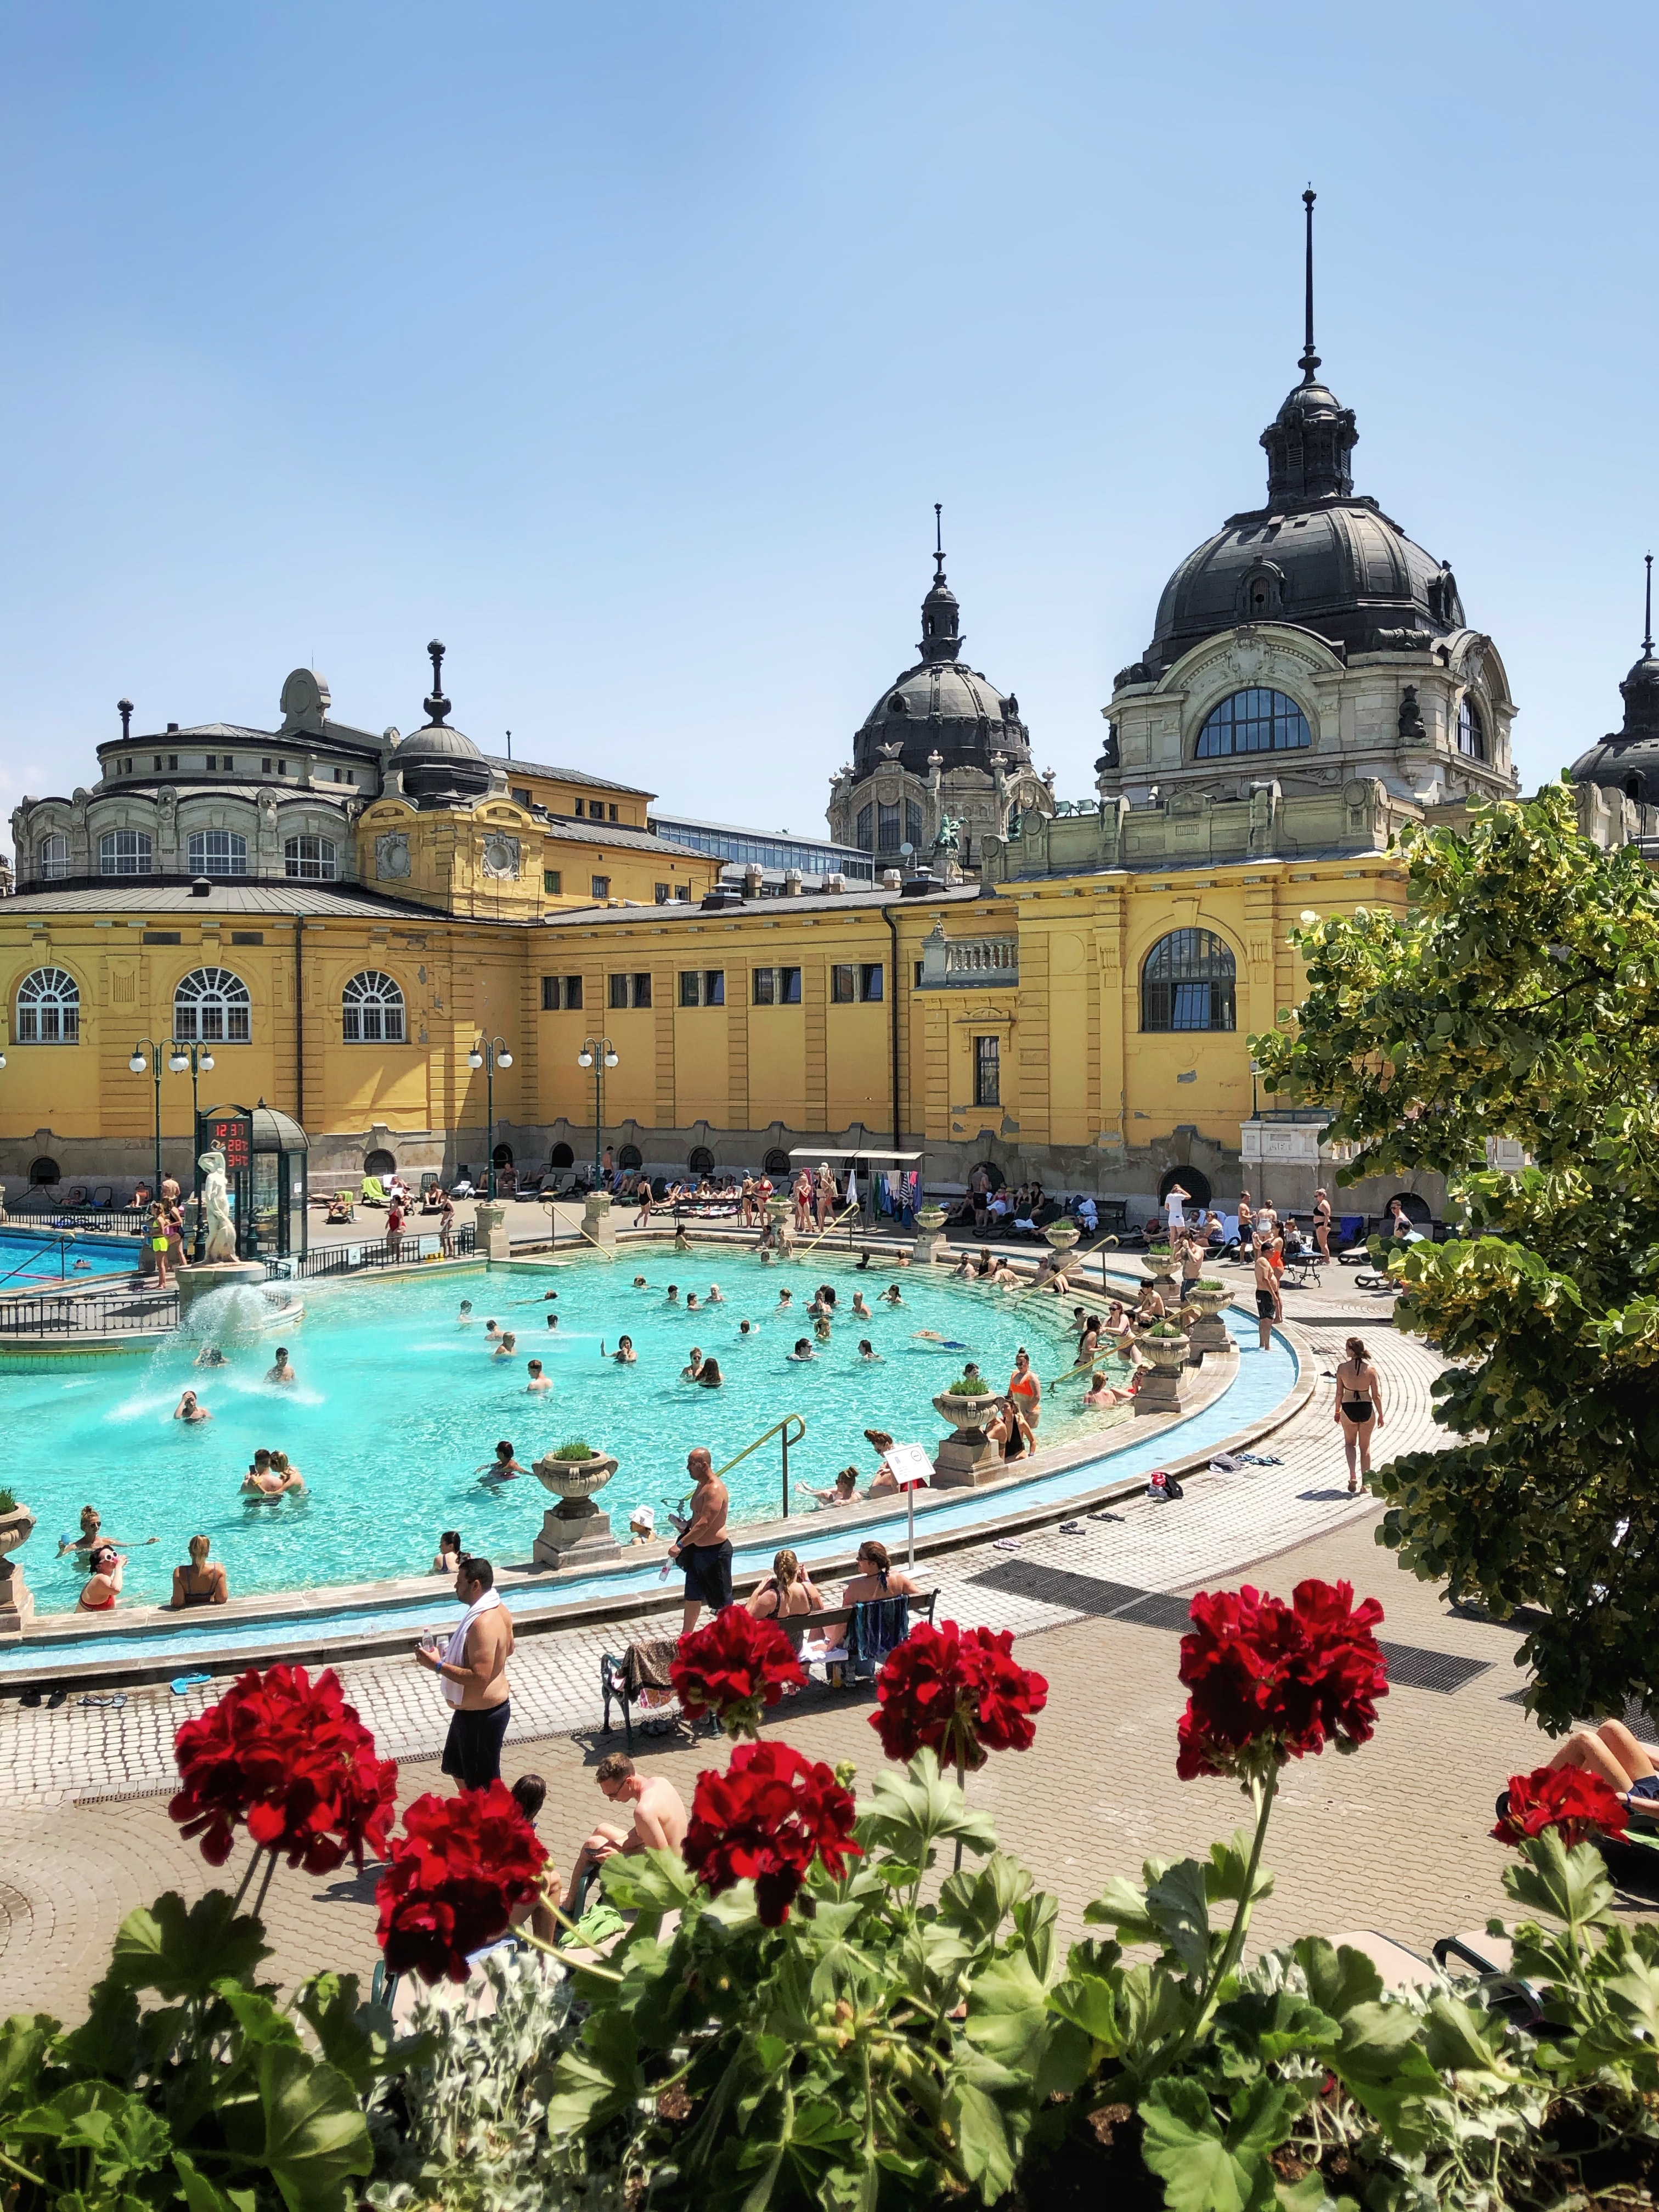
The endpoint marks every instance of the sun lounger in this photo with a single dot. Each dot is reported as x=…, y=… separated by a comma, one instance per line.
x=372, y=1194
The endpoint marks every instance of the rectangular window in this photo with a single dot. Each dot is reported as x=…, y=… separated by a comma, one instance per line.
x=866, y=829
x=777, y=987
x=613, y=814
x=124, y=852
x=281, y=767
x=248, y=937
x=523, y=797
x=843, y=986
x=887, y=829
x=562, y=992
x=917, y=979
x=216, y=852
x=619, y=990
x=703, y=986
x=212, y=759
x=682, y=890
x=661, y=890
x=580, y=810
x=163, y=937
x=870, y=981
x=601, y=887
x=172, y=760
x=912, y=822
x=642, y=990
x=552, y=882
x=227, y=762
x=987, y=1070
x=690, y=987
x=265, y=765
x=158, y=761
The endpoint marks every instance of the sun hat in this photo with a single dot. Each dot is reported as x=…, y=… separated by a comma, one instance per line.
x=643, y=1517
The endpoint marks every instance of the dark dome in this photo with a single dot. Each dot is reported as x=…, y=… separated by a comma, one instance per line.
x=440, y=767
x=1628, y=760
x=941, y=705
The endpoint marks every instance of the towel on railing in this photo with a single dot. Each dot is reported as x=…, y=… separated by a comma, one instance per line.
x=645, y=1671
x=873, y=1630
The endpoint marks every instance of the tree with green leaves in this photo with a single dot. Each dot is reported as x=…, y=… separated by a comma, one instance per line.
x=1518, y=997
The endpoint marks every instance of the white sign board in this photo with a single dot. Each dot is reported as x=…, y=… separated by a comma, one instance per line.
x=909, y=1466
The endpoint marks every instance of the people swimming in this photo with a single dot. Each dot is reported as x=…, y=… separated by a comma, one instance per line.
x=625, y=1355
x=464, y=1317
x=890, y=1295
x=866, y=1350
x=861, y=1311
x=271, y=1475
x=744, y=1327
x=492, y=1331
x=504, y=1468
x=190, y=1408
x=208, y=1356
x=281, y=1370
x=507, y=1348
x=716, y=1296
x=448, y=1554
x=693, y=1367
x=671, y=1295
x=537, y=1381
x=803, y=1349
x=709, y=1376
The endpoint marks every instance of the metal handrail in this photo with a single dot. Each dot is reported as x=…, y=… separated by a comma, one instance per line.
x=855, y=1208
x=1068, y=1259
x=777, y=1428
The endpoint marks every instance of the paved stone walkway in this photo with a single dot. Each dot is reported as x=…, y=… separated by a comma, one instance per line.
x=1393, y=1839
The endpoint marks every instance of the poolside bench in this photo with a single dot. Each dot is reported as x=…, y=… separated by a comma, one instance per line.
x=621, y=1682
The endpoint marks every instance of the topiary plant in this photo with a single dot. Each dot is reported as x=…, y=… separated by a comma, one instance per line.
x=575, y=1448
x=970, y=1386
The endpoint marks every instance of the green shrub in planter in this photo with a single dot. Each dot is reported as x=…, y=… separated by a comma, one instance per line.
x=970, y=1386
x=575, y=1448
x=8, y=1502
x=1165, y=1329
x=1209, y=1283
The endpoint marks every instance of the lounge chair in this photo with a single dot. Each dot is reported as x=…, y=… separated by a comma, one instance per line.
x=77, y=1194
x=372, y=1194
x=103, y=1198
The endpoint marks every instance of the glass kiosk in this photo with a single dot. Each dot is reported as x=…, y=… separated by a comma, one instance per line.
x=265, y=1168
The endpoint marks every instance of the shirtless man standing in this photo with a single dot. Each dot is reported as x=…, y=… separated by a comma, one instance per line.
x=704, y=1551
x=659, y=1818
x=473, y=1671
x=1269, y=1306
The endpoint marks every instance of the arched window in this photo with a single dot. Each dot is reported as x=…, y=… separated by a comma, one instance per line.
x=562, y=1157
x=124, y=852
x=212, y=1006
x=1188, y=983
x=44, y=1174
x=371, y=1010
x=54, y=855
x=1196, y=1185
x=312, y=860
x=216, y=852
x=1471, y=735
x=48, y=1008
x=1254, y=721
x=629, y=1156
x=776, y=1162
x=700, y=1160
x=380, y=1163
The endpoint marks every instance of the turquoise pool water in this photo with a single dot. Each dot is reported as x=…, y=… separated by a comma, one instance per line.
x=1263, y=1381
x=398, y=1408
x=37, y=1261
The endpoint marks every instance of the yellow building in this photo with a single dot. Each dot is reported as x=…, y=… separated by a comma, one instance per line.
x=1053, y=989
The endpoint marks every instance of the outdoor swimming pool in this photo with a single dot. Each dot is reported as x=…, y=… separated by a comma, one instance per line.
x=33, y=1260
x=397, y=1410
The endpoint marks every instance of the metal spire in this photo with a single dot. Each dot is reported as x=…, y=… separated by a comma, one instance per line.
x=938, y=542
x=1309, y=360
x=1647, y=619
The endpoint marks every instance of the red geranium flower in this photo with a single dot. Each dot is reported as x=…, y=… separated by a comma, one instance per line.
x=1271, y=1681
x=765, y=1820
x=456, y=1874
x=734, y=1667
x=1580, y=1804
x=958, y=1693
x=288, y=1760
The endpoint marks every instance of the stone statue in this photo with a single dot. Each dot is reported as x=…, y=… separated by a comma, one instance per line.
x=1411, y=716
x=949, y=839
x=216, y=1204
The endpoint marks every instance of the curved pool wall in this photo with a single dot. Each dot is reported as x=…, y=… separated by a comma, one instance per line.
x=1258, y=1388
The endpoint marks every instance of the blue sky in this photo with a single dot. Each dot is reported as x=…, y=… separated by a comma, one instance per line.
x=627, y=349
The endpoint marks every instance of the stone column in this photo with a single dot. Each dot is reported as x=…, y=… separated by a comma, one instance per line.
x=598, y=1220
x=491, y=1240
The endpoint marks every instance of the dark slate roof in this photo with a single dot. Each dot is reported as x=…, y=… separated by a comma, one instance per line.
x=249, y=895
x=769, y=909
x=613, y=834
x=566, y=775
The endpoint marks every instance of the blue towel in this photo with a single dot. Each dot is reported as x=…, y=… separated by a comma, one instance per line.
x=876, y=1628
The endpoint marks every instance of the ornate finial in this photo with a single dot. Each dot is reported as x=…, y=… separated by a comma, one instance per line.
x=1647, y=620
x=1309, y=360
x=938, y=542
x=123, y=706
x=437, y=706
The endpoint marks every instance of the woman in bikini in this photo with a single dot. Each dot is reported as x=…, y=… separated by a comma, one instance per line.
x=787, y=1591
x=198, y=1583
x=877, y=1577
x=103, y=1584
x=1321, y=1224
x=1358, y=1406
x=1026, y=1390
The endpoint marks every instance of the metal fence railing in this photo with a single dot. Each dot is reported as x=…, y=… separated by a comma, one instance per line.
x=351, y=1258
x=111, y=1221
x=89, y=1313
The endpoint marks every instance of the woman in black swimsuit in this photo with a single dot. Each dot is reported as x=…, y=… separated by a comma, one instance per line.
x=198, y=1583
x=1358, y=1406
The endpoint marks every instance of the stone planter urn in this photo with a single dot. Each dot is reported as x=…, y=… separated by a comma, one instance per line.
x=1163, y=1383
x=930, y=1244
x=598, y=1224
x=1061, y=1234
x=489, y=1231
x=967, y=1457
x=574, y=1533
x=1207, y=1332
x=1166, y=1277
x=17, y=1599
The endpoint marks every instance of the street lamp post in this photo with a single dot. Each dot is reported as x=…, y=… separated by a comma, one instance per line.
x=199, y=1060
x=489, y=1053
x=138, y=1064
x=598, y=1054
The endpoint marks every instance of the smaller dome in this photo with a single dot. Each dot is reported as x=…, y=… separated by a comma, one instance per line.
x=440, y=767
x=437, y=741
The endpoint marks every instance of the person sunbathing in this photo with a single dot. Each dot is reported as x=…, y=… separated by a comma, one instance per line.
x=1624, y=1764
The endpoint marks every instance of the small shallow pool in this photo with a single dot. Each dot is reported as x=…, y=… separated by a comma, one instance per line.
x=398, y=1409
x=36, y=1260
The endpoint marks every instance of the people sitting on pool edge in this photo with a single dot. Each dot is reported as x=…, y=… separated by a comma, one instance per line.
x=504, y=1468
x=198, y=1583
x=448, y=1556
x=537, y=1381
x=271, y=1475
x=190, y=1408
x=281, y=1370
x=103, y=1583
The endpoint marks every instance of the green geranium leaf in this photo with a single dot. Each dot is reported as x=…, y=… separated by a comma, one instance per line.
x=260, y=2020
x=981, y=2140
x=1090, y=2001
x=913, y=1812
x=1338, y=1979
x=653, y=1882
x=201, y=2195
x=182, y=1952
x=23, y=2041
x=315, y=2134
x=1569, y=1885
x=1204, y=2165
x=1177, y=1904
x=358, y=2040
x=1007, y=2010
x=1122, y=1905
x=107, y=2042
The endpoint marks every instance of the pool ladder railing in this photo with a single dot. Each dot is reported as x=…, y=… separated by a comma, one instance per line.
x=780, y=1430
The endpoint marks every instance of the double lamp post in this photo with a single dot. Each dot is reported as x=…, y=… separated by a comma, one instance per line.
x=147, y=1053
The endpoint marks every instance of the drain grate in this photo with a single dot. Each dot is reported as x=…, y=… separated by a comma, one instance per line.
x=1085, y=1594
x=1157, y=1610
x=1413, y=1667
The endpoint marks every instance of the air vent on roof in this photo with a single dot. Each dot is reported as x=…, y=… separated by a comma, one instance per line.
x=200, y=887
